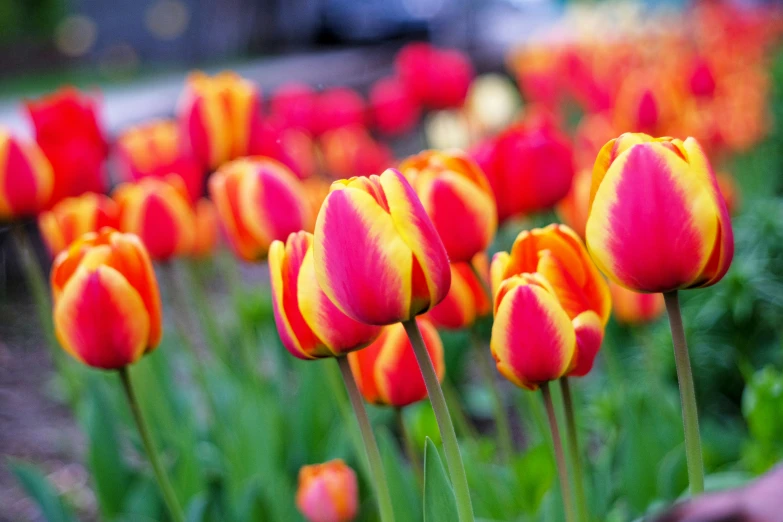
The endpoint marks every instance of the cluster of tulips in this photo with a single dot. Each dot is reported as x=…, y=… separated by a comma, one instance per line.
x=366, y=271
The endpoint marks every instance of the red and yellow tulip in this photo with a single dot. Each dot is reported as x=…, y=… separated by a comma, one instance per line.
x=107, y=310
x=657, y=220
x=458, y=199
x=631, y=307
x=258, y=200
x=378, y=256
x=26, y=178
x=467, y=299
x=73, y=217
x=327, y=492
x=387, y=373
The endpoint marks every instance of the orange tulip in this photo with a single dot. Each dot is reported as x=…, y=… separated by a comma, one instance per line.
x=634, y=308
x=206, y=223
x=26, y=178
x=458, y=199
x=159, y=213
x=73, y=217
x=467, y=299
x=327, y=492
x=258, y=200
x=107, y=310
x=645, y=104
x=387, y=373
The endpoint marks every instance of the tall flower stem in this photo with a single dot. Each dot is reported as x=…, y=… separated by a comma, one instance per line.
x=453, y=457
x=690, y=416
x=409, y=445
x=573, y=449
x=163, y=481
x=370, y=444
x=562, y=470
x=501, y=417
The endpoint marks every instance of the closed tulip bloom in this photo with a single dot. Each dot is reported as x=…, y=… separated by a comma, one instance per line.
x=207, y=229
x=378, y=255
x=394, y=110
x=220, y=116
x=310, y=326
x=295, y=105
x=657, y=220
x=573, y=208
x=258, y=200
x=160, y=214
x=327, y=492
x=436, y=78
x=387, y=373
x=26, y=178
x=157, y=149
x=338, y=107
x=631, y=307
x=457, y=198
x=107, y=310
x=73, y=217
x=467, y=299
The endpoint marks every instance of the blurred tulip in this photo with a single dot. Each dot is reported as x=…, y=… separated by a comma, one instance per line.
x=292, y=147
x=467, y=299
x=593, y=131
x=394, y=110
x=387, y=373
x=158, y=211
x=657, y=221
x=107, y=310
x=156, y=149
x=207, y=229
x=73, y=217
x=327, y=492
x=538, y=73
x=457, y=198
x=338, y=107
x=558, y=255
x=378, y=255
x=574, y=207
x=701, y=81
x=530, y=168
x=351, y=151
x=295, y=105
x=316, y=189
x=26, y=178
x=631, y=307
x=220, y=116
x=70, y=135
x=436, y=78
x=310, y=326
x=258, y=200
x=645, y=103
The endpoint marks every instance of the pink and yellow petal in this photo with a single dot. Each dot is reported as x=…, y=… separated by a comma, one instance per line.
x=589, y=335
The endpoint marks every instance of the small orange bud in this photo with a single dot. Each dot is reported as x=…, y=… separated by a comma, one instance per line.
x=327, y=492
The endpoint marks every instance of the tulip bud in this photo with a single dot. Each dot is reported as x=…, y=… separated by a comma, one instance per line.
x=258, y=200
x=437, y=78
x=107, y=310
x=73, y=217
x=457, y=198
x=206, y=223
x=467, y=299
x=26, y=178
x=634, y=308
x=327, y=492
x=157, y=149
x=310, y=326
x=339, y=107
x=378, y=256
x=394, y=111
x=387, y=372
x=657, y=221
x=159, y=213
x=220, y=116
x=295, y=105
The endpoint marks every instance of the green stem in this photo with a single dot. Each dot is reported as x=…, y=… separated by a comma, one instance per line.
x=163, y=481
x=453, y=457
x=409, y=445
x=573, y=448
x=370, y=444
x=690, y=416
x=338, y=391
x=562, y=471
x=501, y=417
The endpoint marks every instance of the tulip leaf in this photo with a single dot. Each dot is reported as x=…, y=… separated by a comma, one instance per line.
x=41, y=491
x=404, y=495
x=440, y=504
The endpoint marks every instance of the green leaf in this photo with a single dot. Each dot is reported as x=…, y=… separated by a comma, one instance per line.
x=439, y=502
x=535, y=474
x=402, y=484
x=38, y=488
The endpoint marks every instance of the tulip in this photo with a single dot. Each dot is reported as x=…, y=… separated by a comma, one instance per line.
x=310, y=326
x=327, y=492
x=467, y=299
x=351, y=151
x=378, y=256
x=393, y=109
x=70, y=135
x=157, y=149
x=73, y=217
x=292, y=147
x=159, y=213
x=219, y=116
x=644, y=104
x=436, y=78
x=295, y=105
x=573, y=208
x=634, y=308
x=457, y=198
x=258, y=200
x=206, y=223
x=26, y=178
x=657, y=221
x=593, y=131
x=339, y=107
x=387, y=373
x=107, y=310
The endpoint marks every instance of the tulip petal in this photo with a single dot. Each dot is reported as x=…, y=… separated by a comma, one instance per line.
x=589, y=335
x=363, y=368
